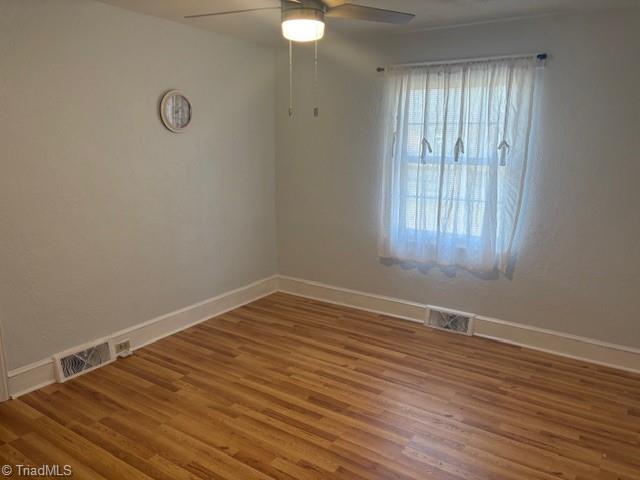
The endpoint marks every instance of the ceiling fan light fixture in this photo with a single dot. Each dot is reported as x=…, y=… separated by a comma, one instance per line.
x=303, y=24
x=303, y=30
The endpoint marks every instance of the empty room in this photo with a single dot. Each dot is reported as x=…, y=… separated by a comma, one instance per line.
x=320, y=239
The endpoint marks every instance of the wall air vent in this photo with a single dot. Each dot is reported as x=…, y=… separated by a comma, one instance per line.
x=450, y=320
x=72, y=364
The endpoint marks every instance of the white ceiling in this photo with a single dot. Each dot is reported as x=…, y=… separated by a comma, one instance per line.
x=263, y=27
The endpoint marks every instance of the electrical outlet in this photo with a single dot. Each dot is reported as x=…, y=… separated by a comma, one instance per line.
x=123, y=349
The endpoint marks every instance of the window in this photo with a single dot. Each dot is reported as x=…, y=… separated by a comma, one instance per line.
x=456, y=138
x=469, y=205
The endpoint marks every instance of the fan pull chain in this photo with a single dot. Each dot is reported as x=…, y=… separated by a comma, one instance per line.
x=316, y=109
x=290, y=79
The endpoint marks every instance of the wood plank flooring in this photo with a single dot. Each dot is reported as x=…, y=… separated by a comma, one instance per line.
x=291, y=388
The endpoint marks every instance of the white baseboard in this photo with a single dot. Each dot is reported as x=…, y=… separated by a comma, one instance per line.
x=369, y=302
x=559, y=343
x=549, y=341
x=39, y=374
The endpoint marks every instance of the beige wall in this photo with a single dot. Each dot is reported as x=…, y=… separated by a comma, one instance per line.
x=579, y=265
x=106, y=218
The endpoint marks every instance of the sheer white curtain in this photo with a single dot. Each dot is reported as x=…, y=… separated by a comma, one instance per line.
x=455, y=146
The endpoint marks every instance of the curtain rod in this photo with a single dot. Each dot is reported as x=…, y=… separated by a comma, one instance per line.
x=540, y=56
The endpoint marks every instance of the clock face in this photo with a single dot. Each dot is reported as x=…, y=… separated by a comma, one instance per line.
x=175, y=111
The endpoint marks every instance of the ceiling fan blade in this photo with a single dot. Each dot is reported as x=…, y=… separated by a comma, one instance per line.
x=370, y=14
x=214, y=14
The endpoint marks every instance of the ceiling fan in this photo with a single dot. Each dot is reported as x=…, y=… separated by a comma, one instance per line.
x=303, y=20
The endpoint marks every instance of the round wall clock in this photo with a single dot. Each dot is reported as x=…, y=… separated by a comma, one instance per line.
x=175, y=111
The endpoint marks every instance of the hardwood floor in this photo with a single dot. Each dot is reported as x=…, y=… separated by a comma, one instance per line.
x=290, y=388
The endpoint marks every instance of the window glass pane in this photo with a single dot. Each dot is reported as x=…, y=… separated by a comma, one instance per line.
x=462, y=186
